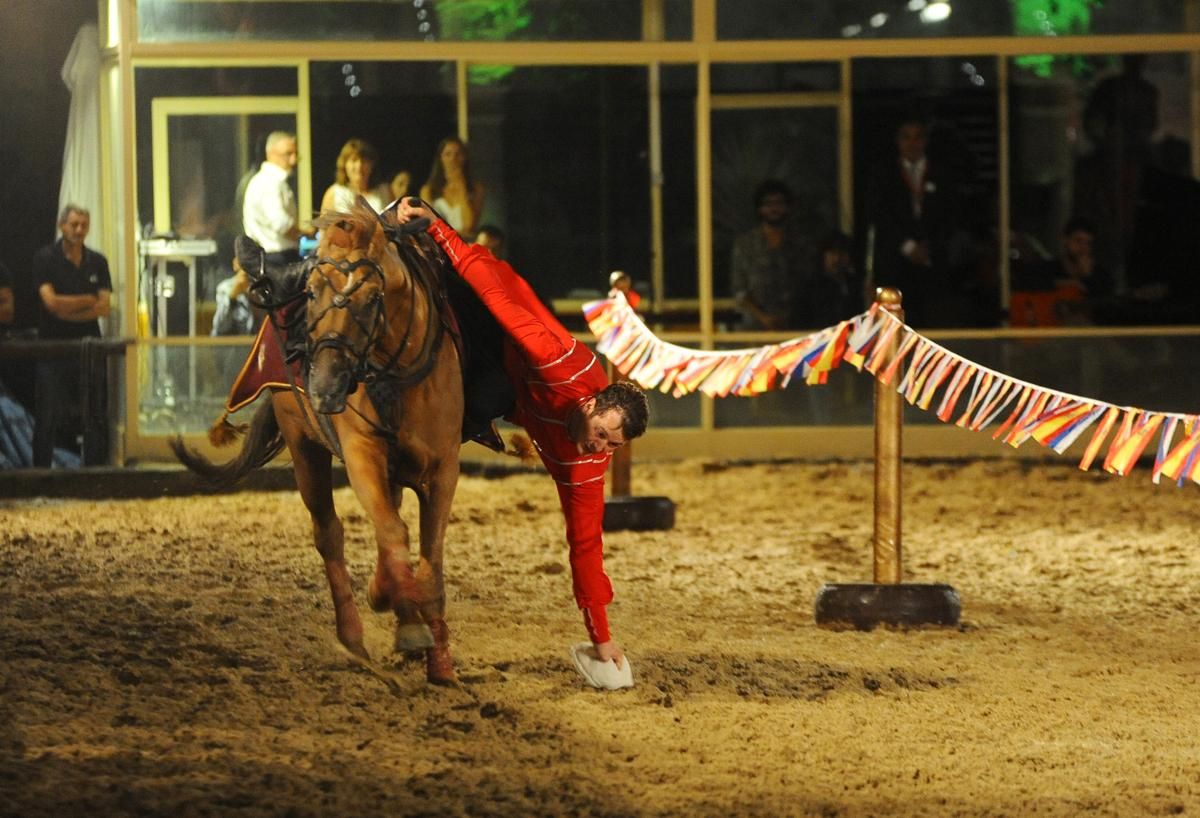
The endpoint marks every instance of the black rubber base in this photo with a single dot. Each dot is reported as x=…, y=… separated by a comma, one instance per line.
x=866, y=606
x=624, y=513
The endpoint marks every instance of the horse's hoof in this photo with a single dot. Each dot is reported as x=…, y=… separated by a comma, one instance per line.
x=378, y=601
x=439, y=667
x=357, y=650
x=414, y=636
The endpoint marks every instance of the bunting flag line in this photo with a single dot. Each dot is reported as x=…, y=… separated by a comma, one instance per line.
x=972, y=396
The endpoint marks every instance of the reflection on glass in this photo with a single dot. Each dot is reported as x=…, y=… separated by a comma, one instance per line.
x=865, y=19
x=410, y=20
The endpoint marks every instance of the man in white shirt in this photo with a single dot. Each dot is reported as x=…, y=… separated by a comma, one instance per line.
x=269, y=212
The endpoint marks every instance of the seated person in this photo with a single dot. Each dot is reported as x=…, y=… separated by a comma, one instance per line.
x=235, y=315
x=834, y=293
x=1063, y=290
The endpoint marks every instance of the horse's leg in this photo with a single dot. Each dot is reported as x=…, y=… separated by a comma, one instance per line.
x=393, y=585
x=435, y=514
x=412, y=634
x=311, y=463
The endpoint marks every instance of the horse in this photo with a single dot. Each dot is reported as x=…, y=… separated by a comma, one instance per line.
x=383, y=390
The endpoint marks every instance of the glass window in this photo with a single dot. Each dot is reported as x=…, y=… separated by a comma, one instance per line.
x=1104, y=204
x=182, y=389
x=677, y=106
x=219, y=148
x=775, y=199
x=926, y=157
x=451, y=20
x=775, y=77
x=564, y=158
x=402, y=109
x=859, y=19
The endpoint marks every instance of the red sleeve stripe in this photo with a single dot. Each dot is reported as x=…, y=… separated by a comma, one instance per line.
x=561, y=358
x=571, y=379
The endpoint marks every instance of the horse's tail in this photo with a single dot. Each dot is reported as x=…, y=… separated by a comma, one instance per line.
x=263, y=441
x=520, y=446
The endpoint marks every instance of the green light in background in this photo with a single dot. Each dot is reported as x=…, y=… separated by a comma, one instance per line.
x=488, y=20
x=1051, y=18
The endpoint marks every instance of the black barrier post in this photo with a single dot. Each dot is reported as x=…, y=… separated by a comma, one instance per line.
x=91, y=355
x=622, y=510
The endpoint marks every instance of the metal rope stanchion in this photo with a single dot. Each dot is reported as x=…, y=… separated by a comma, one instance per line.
x=887, y=601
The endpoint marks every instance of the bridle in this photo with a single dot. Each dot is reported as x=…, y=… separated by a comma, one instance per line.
x=371, y=319
x=385, y=380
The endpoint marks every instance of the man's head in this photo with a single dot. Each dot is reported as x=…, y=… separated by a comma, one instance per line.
x=1078, y=237
x=281, y=150
x=74, y=222
x=773, y=201
x=834, y=252
x=911, y=139
x=612, y=417
x=491, y=237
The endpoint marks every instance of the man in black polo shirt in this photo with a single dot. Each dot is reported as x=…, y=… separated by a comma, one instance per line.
x=75, y=289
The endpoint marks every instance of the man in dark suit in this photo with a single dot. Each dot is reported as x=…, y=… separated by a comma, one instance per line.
x=914, y=216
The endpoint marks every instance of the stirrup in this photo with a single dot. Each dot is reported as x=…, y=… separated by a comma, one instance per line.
x=489, y=437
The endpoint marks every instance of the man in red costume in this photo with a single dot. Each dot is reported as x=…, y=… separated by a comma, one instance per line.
x=575, y=417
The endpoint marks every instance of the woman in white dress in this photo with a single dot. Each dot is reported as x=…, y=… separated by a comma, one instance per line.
x=451, y=190
x=354, y=177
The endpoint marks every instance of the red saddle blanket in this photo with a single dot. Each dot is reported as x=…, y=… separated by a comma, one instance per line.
x=264, y=368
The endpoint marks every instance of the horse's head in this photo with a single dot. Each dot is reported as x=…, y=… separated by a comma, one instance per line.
x=346, y=311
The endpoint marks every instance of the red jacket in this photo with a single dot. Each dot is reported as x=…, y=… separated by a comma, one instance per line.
x=552, y=373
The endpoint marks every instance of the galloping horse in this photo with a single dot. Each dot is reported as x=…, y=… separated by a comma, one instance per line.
x=383, y=391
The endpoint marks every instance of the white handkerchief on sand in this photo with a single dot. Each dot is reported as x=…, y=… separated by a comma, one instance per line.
x=604, y=675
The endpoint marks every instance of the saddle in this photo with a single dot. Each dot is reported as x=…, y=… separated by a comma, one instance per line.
x=278, y=355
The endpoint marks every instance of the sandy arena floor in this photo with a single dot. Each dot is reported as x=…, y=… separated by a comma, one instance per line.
x=176, y=656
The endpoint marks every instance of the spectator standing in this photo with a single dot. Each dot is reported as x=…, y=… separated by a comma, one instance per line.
x=75, y=290
x=269, y=210
x=914, y=218
x=452, y=190
x=354, y=176
x=769, y=262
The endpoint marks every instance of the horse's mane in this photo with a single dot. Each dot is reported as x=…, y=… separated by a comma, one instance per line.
x=343, y=231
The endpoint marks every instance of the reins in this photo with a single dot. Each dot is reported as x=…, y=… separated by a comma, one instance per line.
x=384, y=381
